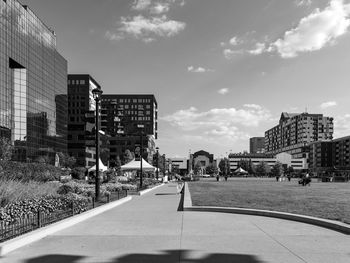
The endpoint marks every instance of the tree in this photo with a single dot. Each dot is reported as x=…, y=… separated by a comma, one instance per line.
x=211, y=169
x=65, y=160
x=128, y=156
x=224, y=166
x=6, y=149
x=263, y=168
x=197, y=168
x=277, y=169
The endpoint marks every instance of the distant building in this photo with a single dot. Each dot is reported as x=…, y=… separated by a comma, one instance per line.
x=33, y=85
x=122, y=115
x=295, y=131
x=81, y=105
x=257, y=145
x=330, y=156
x=180, y=165
x=255, y=159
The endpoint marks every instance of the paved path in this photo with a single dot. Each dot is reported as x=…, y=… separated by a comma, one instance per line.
x=149, y=229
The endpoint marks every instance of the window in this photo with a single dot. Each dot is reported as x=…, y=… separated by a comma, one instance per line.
x=82, y=82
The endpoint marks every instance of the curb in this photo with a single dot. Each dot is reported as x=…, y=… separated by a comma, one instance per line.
x=150, y=189
x=40, y=233
x=330, y=224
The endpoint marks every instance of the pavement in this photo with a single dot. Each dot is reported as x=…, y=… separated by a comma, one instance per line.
x=150, y=229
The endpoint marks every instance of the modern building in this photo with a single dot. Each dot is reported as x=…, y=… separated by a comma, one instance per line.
x=255, y=159
x=33, y=85
x=179, y=165
x=295, y=131
x=125, y=117
x=81, y=104
x=330, y=157
x=203, y=158
x=257, y=145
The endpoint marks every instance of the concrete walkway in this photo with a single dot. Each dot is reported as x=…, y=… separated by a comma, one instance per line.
x=149, y=229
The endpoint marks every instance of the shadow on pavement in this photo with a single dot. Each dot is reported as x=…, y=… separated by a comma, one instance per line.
x=56, y=258
x=167, y=256
x=176, y=256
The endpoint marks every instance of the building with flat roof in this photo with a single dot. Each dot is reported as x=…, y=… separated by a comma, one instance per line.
x=257, y=145
x=81, y=103
x=33, y=85
x=295, y=131
x=125, y=117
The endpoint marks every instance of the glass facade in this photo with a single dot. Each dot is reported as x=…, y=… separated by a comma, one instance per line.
x=33, y=85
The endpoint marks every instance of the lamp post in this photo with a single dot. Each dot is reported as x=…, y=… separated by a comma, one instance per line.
x=97, y=96
x=141, y=126
x=157, y=171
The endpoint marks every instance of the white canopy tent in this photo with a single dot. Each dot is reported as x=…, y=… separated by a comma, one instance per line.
x=101, y=167
x=135, y=165
x=241, y=171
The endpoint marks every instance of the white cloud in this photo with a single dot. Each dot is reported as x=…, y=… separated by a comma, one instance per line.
x=223, y=91
x=223, y=122
x=342, y=126
x=253, y=106
x=142, y=27
x=315, y=31
x=328, y=104
x=191, y=119
x=160, y=8
x=303, y=2
x=234, y=41
x=259, y=49
x=230, y=53
x=198, y=69
x=141, y=4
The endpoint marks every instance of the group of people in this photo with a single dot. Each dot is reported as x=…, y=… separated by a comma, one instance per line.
x=305, y=180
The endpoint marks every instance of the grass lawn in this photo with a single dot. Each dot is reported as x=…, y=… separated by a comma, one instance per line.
x=324, y=200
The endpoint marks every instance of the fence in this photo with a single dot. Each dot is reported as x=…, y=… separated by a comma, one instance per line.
x=40, y=219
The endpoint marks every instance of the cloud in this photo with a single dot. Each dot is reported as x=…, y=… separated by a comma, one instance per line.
x=191, y=119
x=142, y=27
x=234, y=41
x=223, y=124
x=198, y=70
x=259, y=49
x=223, y=91
x=315, y=30
x=328, y=104
x=160, y=8
x=230, y=53
x=342, y=126
x=303, y=2
x=141, y=5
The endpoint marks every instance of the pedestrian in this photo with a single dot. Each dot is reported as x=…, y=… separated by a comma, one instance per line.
x=226, y=177
x=217, y=177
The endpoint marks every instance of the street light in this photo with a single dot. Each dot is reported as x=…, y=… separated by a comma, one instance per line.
x=97, y=96
x=141, y=127
x=157, y=171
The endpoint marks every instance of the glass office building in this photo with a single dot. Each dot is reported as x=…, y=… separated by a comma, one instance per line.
x=33, y=85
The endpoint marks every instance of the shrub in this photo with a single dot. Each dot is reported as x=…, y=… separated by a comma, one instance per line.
x=13, y=191
x=47, y=204
x=78, y=173
x=30, y=171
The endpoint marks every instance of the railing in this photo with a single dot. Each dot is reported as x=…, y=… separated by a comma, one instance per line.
x=40, y=219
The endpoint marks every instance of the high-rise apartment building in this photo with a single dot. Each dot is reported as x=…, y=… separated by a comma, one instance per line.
x=330, y=156
x=296, y=131
x=124, y=118
x=33, y=85
x=257, y=145
x=80, y=104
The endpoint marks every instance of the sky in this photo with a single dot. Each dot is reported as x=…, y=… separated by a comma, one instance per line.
x=222, y=71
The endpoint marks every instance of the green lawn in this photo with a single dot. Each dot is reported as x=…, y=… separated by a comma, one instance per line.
x=324, y=200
